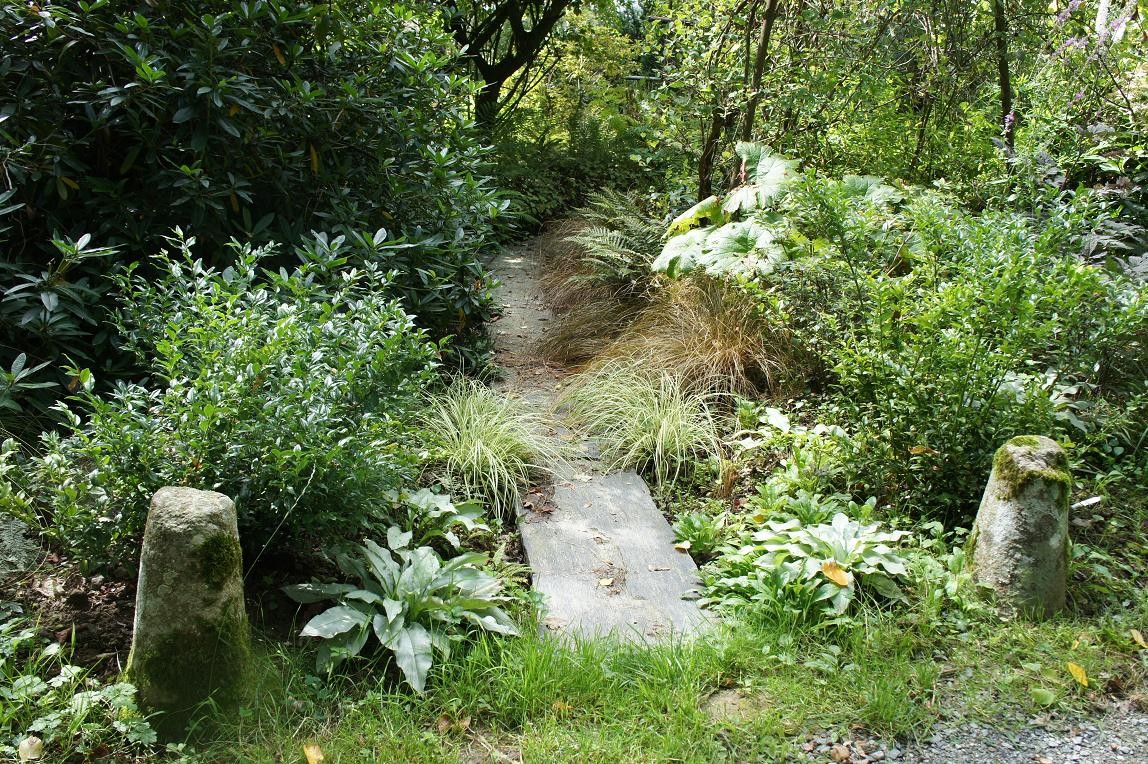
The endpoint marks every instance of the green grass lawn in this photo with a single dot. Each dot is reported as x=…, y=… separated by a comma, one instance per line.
x=543, y=699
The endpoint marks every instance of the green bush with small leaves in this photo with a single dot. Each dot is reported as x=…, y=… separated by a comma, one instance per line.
x=258, y=121
x=291, y=392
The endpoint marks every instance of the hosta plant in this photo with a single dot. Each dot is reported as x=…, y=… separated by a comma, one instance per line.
x=700, y=533
x=812, y=566
x=415, y=603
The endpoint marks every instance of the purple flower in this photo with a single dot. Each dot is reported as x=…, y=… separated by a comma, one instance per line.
x=1063, y=15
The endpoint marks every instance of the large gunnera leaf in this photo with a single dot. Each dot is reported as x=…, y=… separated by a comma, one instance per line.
x=680, y=253
x=764, y=174
x=705, y=213
x=740, y=247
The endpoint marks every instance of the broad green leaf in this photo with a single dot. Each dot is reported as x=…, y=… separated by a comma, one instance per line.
x=386, y=630
x=872, y=188
x=309, y=593
x=707, y=212
x=884, y=586
x=763, y=176
x=412, y=649
x=393, y=609
x=680, y=253
x=733, y=247
x=334, y=621
x=385, y=568
x=476, y=559
x=398, y=539
x=363, y=595
x=493, y=620
x=421, y=569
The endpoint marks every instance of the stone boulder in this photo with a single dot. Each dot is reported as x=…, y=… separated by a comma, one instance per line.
x=191, y=640
x=1020, y=537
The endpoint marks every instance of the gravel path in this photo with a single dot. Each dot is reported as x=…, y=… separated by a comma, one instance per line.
x=1111, y=737
x=1117, y=736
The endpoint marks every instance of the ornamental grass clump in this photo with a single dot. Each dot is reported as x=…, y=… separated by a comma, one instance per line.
x=644, y=419
x=713, y=336
x=487, y=445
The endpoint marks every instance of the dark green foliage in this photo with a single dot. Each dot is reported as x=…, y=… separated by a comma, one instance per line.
x=546, y=175
x=285, y=391
x=249, y=120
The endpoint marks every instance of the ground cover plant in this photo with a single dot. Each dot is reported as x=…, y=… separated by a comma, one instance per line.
x=53, y=710
x=409, y=598
x=487, y=447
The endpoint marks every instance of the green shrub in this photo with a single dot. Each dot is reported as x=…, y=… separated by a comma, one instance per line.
x=487, y=445
x=700, y=533
x=285, y=391
x=55, y=709
x=415, y=605
x=257, y=121
x=929, y=334
x=643, y=418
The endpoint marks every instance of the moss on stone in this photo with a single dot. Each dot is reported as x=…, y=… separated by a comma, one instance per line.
x=219, y=559
x=1015, y=478
x=184, y=668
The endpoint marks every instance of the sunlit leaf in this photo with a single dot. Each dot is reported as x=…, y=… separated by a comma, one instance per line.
x=1078, y=673
x=336, y=620
x=412, y=648
x=706, y=212
x=313, y=753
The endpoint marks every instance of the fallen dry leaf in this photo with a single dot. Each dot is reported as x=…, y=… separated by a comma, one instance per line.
x=605, y=582
x=313, y=753
x=1138, y=638
x=561, y=707
x=1078, y=673
x=682, y=546
x=656, y=568
x=835, y=573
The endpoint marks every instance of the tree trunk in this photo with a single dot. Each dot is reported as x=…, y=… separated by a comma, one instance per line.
x=761, y=57
x=710, y=143
x=1000, y=31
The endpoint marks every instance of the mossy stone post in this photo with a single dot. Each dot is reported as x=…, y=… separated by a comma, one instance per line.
x=1020, y=537
x=191, y=639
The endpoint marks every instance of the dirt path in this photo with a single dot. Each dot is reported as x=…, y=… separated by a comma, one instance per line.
x=600, y=550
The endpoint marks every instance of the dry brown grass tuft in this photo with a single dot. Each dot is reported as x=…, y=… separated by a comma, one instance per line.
x=587, y=330
x=712, y=336
x=562, y=264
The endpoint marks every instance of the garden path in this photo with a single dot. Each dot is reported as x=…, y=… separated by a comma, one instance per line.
x=601, y=552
